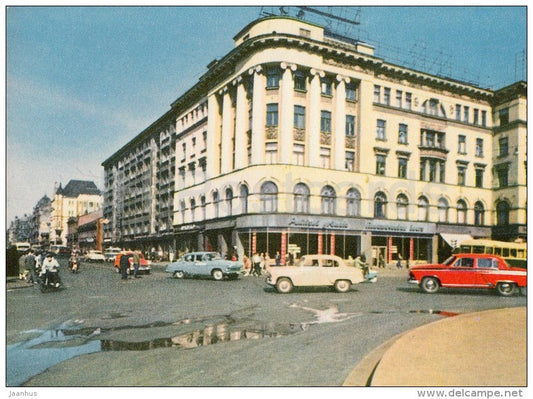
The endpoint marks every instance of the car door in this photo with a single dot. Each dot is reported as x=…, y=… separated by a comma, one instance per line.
x=330, y=271
x=203, y=265
x=307, y=273
x=461, y=274
x=187, y=264
x=487, y=272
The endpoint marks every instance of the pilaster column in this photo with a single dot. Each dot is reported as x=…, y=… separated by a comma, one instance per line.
x=313, y=143
x=213, y=137
x=241, y=120
x=226, y=149
x=339, y=137
x=258, y=115
x=286, y=113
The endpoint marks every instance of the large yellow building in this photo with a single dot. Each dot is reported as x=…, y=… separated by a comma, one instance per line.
x=304, y=142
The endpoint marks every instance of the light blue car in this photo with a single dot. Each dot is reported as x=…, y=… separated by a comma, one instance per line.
x=205, y=264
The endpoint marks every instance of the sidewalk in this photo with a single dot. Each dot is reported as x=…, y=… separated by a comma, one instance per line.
x=478, y=349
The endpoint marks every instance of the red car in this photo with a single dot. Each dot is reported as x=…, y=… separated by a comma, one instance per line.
x=144, y=266
x=470, y=271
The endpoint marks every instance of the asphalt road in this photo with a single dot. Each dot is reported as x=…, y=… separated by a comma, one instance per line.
x=160, y=331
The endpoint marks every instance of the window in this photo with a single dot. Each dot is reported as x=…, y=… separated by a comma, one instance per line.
x=408, y=100
x=504, y=146
x=443, y=210
x=305, y=32
x=483, y=118
x=423, y=209
x=325, y=87
x=299, y=117
x=458, y=112
x=350, y=91
x=461, y=175
x=479, y=147
x=298, y=151
x=244, y=198
x=503, y=175
x=202, y=205
x=271, y=150
x=216, y=204
x=504, y=117
x=269, y=197
x=325, y=121
x=380, y=130
x=380, y=164
x=328, y=199
x=402, y=133
x=399, y=96
x=461, y=212
x=479, y=214
x=350, y=125
x=461, y=145
x=353, y=202
x=272, y=114
x=402, y=168
x=401, y=207
x=300, y=81
x=466, y=114
x=325, y=155
x=476, y=116
x=386, y=96
x=301, y=198
x=272, y=77
x=479, y=177
x=380, y=205
x=502, y=213
x=349, y=161
x=229, y=201
x=377, y=94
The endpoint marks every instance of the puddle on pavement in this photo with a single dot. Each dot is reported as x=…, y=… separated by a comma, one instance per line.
x=49, y=347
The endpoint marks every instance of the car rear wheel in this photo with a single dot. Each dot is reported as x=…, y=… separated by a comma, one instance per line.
x=284, y=285
x=342, y=285
x=179, y=274
x=217, y=274
x=430, y=285
x=506, y=289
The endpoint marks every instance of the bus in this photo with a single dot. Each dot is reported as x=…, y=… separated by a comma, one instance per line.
x=514, y=253
x=60, y=250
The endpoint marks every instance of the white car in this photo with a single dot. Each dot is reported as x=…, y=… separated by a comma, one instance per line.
x=95, y=256
x=111, y=253
x=313, y=271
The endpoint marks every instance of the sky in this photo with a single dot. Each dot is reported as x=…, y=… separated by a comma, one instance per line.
x=81, y=82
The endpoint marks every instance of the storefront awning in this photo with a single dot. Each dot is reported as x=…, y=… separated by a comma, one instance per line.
x=454, y=240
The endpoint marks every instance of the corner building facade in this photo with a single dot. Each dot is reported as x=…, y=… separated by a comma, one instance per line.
x=299, y=141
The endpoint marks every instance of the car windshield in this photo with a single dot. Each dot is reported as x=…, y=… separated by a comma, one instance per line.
x=449, y=261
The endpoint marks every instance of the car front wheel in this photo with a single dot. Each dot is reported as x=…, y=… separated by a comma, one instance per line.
x=284, y=285
x=179, y=274
x=430, y=285
x=217, y=274
x=506, y=289
x=342, y=285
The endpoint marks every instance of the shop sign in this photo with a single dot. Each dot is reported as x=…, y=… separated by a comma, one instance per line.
x=317, y=224
x=188, y=227
x=396, y=227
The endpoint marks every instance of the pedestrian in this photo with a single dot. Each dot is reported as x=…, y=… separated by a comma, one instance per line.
x=30, y=262
x=278, y=258
x=136, y=263
x=256, y=264
x=360, y=263
x=124, y=265
x=22, y=267
x=399, y=263
x=246, y=263
x=267, y=261
x=381, y=261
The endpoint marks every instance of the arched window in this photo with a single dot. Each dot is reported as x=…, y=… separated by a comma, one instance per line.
x=380, y=205
x=244, y=198
x=502, y=213
x=401, y=206
x=328, y=200
x=301, y=198
x=202, y=204
x=443, y=210
x=193, y=209
x=479, y=214
x=216, y=203
x=353, y=202
x=423, y=209
x=229, y=201
x=461, y=212
x=269, y=197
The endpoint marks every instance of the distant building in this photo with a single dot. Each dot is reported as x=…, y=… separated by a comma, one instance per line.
x=19, y=230
x=304, y=141
x=40, y=223
x=77, y=198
